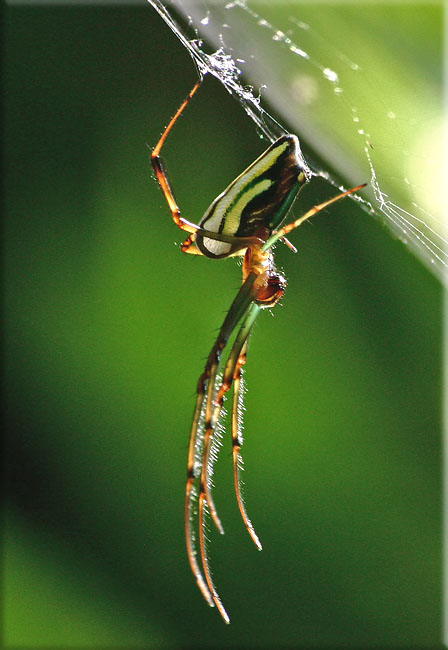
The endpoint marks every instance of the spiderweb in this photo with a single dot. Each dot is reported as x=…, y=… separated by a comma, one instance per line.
x=386, y=130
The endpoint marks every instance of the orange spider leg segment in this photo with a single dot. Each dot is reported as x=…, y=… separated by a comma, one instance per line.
x=314, y=210
x=188, y=246
x=237, y=441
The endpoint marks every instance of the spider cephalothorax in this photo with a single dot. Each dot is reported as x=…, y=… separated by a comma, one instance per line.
x=269, y=285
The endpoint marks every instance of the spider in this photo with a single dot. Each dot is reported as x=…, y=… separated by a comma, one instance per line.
x=244, y=220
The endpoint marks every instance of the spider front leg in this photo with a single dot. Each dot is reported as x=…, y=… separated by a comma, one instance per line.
x=232, y=377
x=237, y=441
x=215, y=398
x=195, y=450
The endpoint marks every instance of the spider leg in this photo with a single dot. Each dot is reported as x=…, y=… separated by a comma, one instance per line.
x=288, y=244
x=214, y=404
x=237, y=441
x=161, y=176
x=233, y=376
x=213, y=408
x=189, y=246
x=238, y=308
x=162, y=179
x=190, y=501
x=298, y=222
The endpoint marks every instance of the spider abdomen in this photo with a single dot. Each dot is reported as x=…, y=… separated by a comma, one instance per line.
x=260, y=197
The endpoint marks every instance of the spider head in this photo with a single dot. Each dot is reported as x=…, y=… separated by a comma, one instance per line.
x=270, y=292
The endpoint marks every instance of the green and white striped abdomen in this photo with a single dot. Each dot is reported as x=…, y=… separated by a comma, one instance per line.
x=259, y=197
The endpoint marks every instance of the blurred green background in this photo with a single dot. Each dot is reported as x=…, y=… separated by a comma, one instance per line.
x=106, y=329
